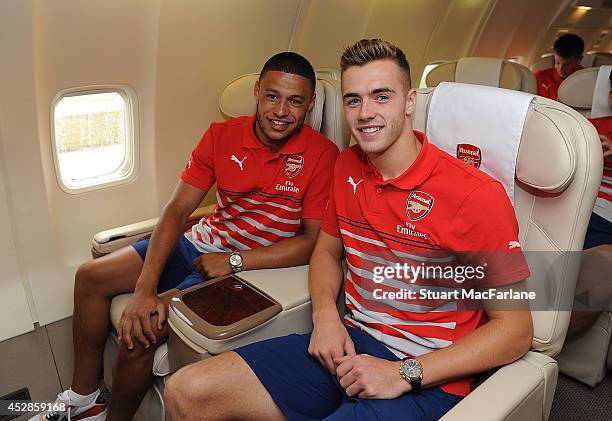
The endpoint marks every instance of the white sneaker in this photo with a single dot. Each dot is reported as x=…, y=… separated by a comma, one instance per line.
x=95, y=411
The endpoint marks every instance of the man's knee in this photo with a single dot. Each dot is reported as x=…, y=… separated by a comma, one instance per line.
x=86, y=279
x=186, y=390
x=199, y=383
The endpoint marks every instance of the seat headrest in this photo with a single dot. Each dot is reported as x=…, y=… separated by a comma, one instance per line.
x=477, y=71
x=528, y=79
x=237, y=100
x=597, y=59
x=577, y=89
x=546, y=159
x=481, y=125
x=545, y=62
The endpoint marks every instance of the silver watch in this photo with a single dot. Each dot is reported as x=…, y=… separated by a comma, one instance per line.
x=411, y=370
x=235, y=261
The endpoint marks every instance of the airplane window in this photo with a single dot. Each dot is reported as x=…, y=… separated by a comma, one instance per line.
x=93, y=138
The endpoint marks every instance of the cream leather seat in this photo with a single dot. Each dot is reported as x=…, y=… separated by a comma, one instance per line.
x=556, y=181
x=597, y=59
x=484, y=71
x=235, y=100
x=545, y=62
x=584, y=357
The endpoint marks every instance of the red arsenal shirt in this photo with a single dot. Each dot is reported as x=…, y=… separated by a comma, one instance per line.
x=440, y=215
x=262, y=197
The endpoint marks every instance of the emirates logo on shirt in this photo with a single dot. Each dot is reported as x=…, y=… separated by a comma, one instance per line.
x=470, y=154
x=418, y=205
x=293, y=165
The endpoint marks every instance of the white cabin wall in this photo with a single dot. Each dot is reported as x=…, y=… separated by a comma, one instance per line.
x=52, y=46
x=22, y=197
x=515, y=28
x=427, y=30
x=203, y=45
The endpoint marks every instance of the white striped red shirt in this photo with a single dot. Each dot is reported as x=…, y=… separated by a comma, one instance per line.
x=440, y=213
x=262, y=197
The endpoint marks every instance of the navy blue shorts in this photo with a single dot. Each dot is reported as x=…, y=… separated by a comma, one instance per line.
x=304, y=390
x=598, y=232
x=179, y=271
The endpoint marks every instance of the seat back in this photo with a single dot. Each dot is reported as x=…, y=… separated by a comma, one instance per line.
x=544, y=62
x=483, y=71
x=528, y=80
x=597, y=59
x=326, y=116
x=577, y=90
x=557, y=176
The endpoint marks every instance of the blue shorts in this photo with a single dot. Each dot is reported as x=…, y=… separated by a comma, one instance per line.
x=179, y=271
x=598, y=232
x=304, y=390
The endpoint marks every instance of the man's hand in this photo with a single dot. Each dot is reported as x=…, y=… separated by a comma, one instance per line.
x=213, y=264
x=330, y=340
x=136, y=319
x=369, y=377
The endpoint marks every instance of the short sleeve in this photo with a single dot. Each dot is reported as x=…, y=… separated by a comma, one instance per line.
x=541, y=85
x=329, y=224
x=316, y=195
x=200, y=170
x=485, y=232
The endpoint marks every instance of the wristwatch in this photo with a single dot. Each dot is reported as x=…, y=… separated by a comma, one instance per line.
x=235, y=261
x=411, y=370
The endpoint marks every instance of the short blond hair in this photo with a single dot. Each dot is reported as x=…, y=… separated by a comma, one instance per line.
x=368, y=50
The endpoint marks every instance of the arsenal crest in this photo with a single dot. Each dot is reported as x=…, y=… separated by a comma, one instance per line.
x=418, y=205
x=293, y=165
x=469, y=153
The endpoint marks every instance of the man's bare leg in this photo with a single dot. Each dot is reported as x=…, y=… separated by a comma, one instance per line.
x=133, y=372
x=96, y=283
x=223, y=387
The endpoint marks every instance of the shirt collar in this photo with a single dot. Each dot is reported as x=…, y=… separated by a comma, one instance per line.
x=297, y=143
x=416, y=174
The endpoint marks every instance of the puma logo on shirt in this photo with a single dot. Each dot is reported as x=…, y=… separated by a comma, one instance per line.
x=352, y=183
x=236, y=160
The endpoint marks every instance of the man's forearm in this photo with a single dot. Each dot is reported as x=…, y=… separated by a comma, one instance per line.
x=495, y=343
x=325, y=281
x=292, y=251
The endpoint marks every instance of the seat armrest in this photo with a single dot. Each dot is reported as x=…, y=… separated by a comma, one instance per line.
x=524, y=385
x=287, y=286
x=106, y=242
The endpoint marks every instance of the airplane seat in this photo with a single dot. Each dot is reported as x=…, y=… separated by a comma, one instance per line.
x=494, y=72
x=584, y=357
x=545, y=62
x=528, y=79
x=556, y=181
x=596, y=59
x=236, y=99
x=577, y=90
x=332, y=72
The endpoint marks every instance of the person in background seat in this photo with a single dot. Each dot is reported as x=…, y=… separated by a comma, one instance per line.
x=568, y=51
x=257, y=224
x=596, y=264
